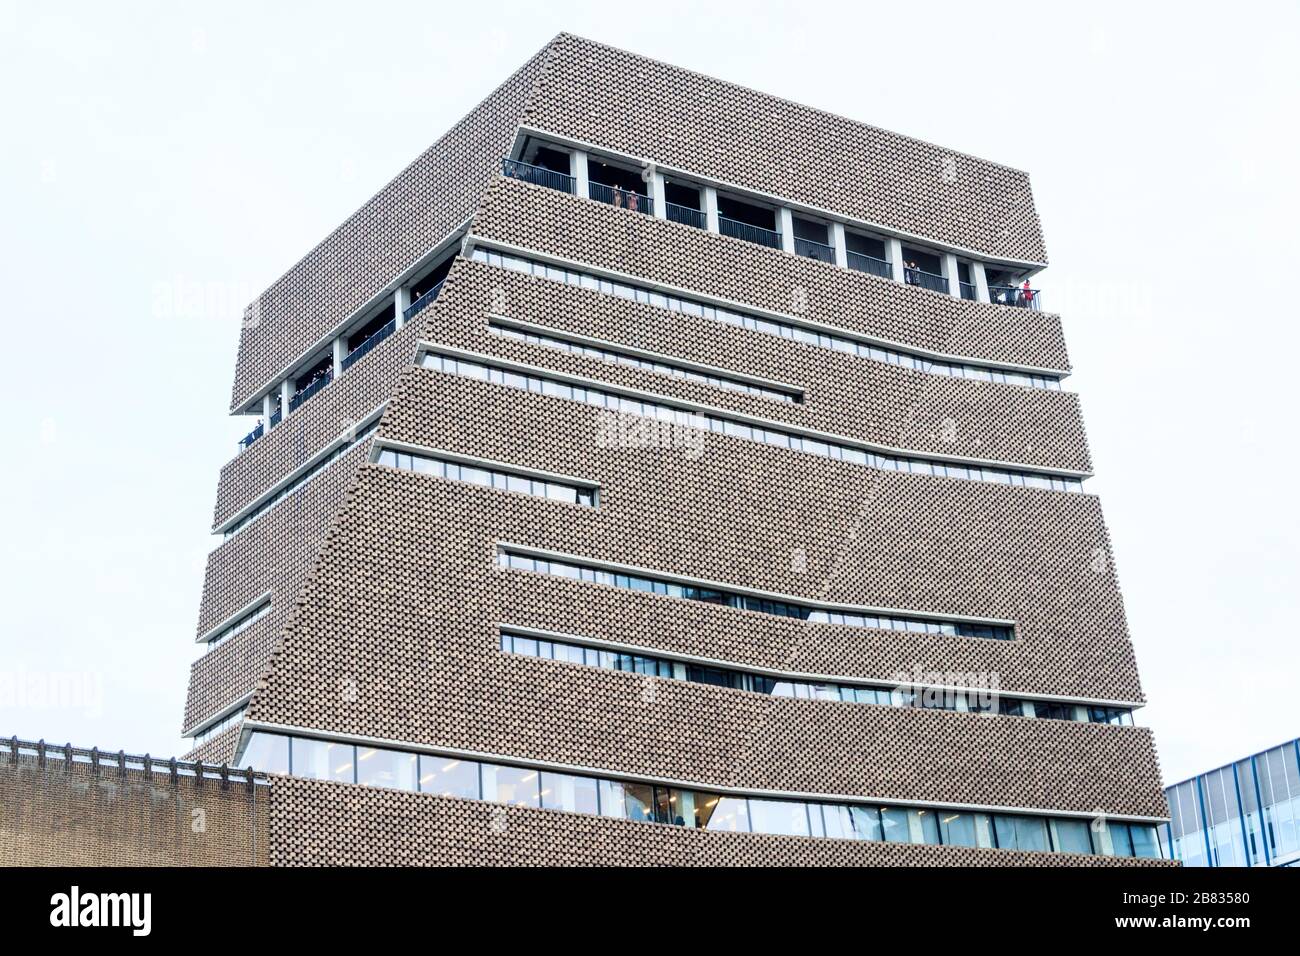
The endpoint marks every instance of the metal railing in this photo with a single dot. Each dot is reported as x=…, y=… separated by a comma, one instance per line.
x=864, y=263
x=537, y=175
x=54, y=755
x=409, y=312
x=1014, y=296
x=686, y=215
x=814, y=250
x=370, y=341
x=926, y=280
x=275, y=417
x=967, y=290
x=623, y=198
x=252, y=436
x=743, y=230
x=310, y=389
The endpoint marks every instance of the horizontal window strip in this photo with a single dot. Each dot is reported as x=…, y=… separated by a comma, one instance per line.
x=208, y=731
x=646, y=583
x=823, y=338
x=658, y=407
x=230, y=630
x=487, y=476
x=522, y=786
x=325, y=461
x=662, y=365
x=980, y=700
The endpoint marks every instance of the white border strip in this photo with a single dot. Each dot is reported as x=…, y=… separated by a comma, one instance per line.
x=802, y=676
x=264, y=598
x=485, y=463
x=681, y=292
x=344, y=439
x=771, y=198
x=575, y=338
x=714, y=411
x=761, y=794
x=631, y=569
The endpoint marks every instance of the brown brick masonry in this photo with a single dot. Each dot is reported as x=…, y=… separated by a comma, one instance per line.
x=534, y=217
x=59, y=813
x=53, y=813
x=689, y=121
x=319, y=823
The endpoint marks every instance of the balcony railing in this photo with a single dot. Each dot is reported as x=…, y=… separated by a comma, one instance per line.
x=865, y=263
x=310, y=389
x=275, y=417
x=370, y=341
x=1020, y=298
x=926, y=280
x=409, y=312
x=623, y=198
x=968, y=290
x=252, y=436
x=814, y=250
x=686, y=215
x=537, y=175
x=743, y=230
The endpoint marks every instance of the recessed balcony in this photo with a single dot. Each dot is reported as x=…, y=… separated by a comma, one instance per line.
x=537, y=175
x=618, y=186
x=1019, y=296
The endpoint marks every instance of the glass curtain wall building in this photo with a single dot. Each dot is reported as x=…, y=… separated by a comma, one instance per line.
x=1243, y=814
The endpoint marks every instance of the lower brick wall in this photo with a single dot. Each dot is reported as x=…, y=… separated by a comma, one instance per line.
x=319, y=823
x=72, y=815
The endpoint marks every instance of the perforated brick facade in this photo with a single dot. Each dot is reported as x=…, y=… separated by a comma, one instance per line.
x=387, y=598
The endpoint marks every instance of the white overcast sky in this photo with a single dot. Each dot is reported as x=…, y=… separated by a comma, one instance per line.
x=160, y=166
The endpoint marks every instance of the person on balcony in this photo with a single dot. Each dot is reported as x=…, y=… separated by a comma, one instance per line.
x=632, y=201
x=1026, y=295
x=618, y=197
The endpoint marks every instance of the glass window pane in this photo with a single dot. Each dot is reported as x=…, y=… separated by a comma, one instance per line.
x=639, y=800
x=515, y=786
x=321, y=760
x=562, y=791
x=449, y=776
x=386, y=768
x=714, y=812
x=778, y=816
x=957, y=829
x=894, y=825
x=612, y=803
x=266, y=752
x=1071, y=836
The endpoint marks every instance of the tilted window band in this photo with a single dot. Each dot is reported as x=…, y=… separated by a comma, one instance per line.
x=574, y=568
x=664, y=365
x=237, y=623
x=979, y=700
x=454, y=775
x=487, y=475
x=687, y=414
x=264, y=504
x=807, y=332
x=210, y=728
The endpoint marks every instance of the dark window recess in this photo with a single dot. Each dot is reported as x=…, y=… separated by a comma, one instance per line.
x=322, y=369
x=747, y=213
x=688, y=197
x=370, y=328
x=546, y=157
x=964, y=273
x=616, y=177
x=865, y=245
x=925, y=261
x=432, y=279
x=811, y=231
